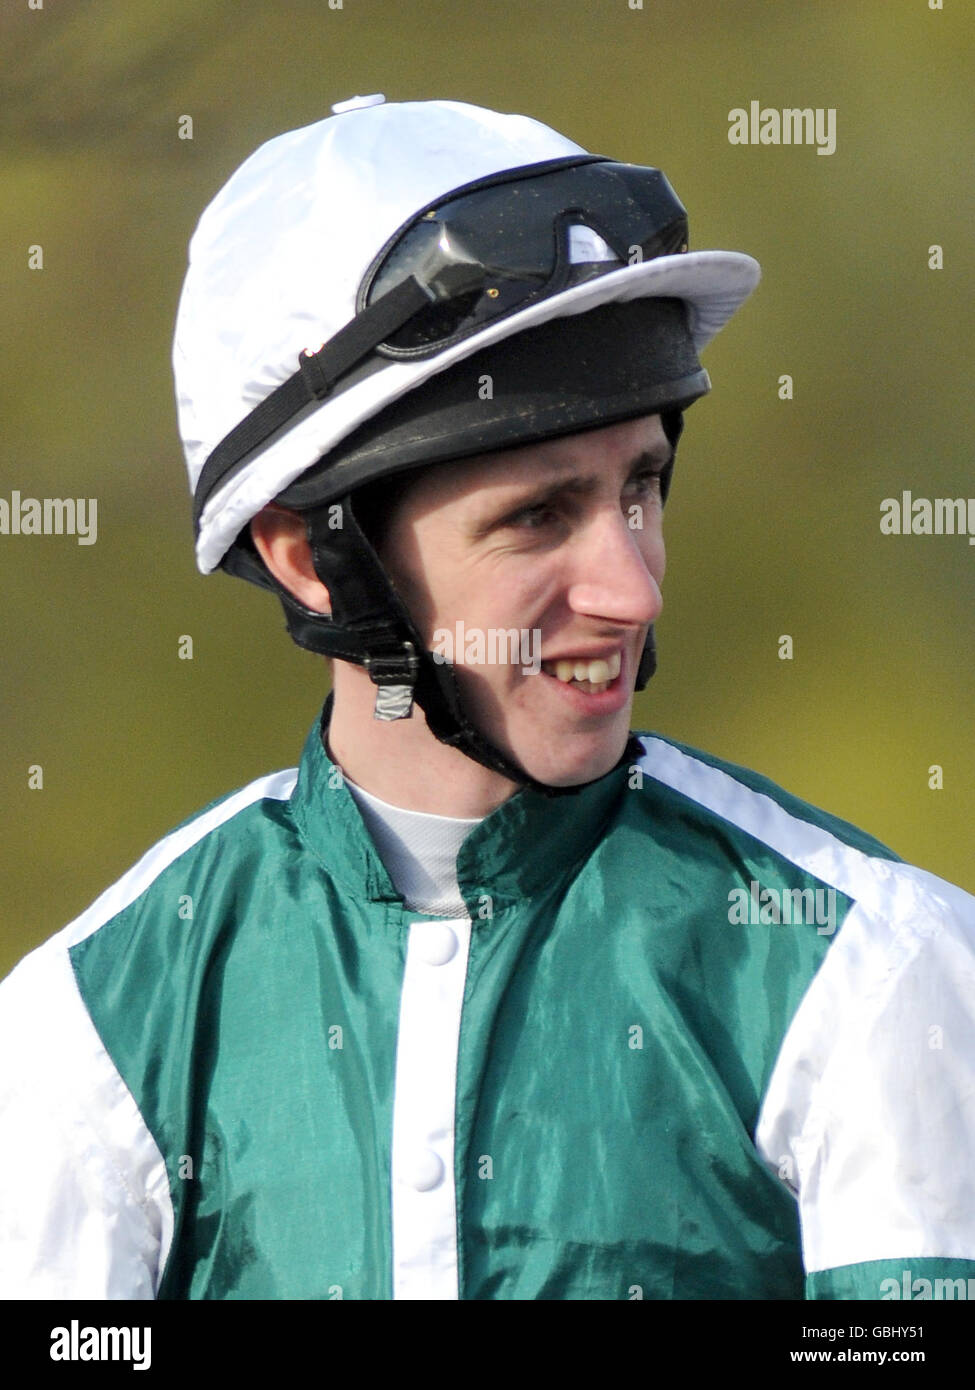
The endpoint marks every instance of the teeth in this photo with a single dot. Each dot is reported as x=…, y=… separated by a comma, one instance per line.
x=597, y=673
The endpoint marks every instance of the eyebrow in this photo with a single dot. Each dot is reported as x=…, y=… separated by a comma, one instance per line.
x=573, y=485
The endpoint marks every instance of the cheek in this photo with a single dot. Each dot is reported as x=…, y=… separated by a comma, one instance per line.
x=406, y=557
x=440, y=590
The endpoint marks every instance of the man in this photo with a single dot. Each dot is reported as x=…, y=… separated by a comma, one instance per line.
x=490, y=1000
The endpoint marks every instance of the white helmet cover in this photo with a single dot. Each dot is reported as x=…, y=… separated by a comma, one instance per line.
x=278, y=257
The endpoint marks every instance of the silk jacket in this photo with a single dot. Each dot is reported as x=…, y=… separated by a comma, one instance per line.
x=695, y=1040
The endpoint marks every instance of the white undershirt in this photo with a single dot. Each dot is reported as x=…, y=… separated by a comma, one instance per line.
x=419, y=851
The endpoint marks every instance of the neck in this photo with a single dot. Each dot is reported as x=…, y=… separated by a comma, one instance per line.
x=401, y=762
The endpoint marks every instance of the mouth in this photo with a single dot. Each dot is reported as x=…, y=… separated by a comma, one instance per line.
x=591, y=676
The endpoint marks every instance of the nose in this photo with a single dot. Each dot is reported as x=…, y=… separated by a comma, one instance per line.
x=614, y=575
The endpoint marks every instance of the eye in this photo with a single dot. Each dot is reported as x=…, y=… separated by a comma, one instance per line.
x=646, y=484
x=534, y=518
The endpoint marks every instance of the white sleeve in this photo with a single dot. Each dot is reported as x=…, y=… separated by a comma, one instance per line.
x=85, y=1207
x=870, y=1110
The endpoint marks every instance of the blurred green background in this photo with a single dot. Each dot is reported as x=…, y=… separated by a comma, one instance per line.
x=773, y=524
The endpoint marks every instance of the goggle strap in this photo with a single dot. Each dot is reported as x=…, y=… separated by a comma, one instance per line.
x=314, y=380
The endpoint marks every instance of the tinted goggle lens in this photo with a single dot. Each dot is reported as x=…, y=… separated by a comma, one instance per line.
x=497, y=247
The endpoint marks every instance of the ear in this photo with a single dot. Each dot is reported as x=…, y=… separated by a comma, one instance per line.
x=282, y=543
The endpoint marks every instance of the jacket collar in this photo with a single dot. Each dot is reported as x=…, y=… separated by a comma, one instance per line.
x=528, y=844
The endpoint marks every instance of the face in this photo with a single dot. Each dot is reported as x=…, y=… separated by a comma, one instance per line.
x=560, y=545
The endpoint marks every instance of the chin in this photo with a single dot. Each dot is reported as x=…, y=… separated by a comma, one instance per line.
x=587, y=766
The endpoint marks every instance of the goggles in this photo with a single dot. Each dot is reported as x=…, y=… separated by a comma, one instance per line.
x=506, y=241
x=491, y=248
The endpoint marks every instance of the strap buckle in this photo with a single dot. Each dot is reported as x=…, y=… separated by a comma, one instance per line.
x=394, y=677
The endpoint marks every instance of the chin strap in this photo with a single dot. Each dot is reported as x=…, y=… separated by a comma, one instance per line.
x=631, y=754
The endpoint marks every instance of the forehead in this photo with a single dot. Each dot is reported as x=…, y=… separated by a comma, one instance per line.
x=606, y=452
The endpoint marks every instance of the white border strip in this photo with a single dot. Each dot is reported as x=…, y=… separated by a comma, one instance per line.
x=808, y=846
x=424, y=1198
x=278, y=786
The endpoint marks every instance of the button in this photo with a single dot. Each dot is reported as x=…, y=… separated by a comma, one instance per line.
x=356, y=103
x=436, y=943
x=426, y=1170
